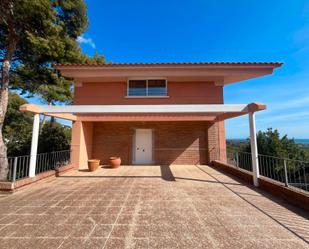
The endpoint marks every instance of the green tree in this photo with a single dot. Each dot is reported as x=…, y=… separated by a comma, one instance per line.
x=17, y=131
x=276, y=149
x=54, y=138
x=34, y=34
x=270, y=143
x=52, y=94
x=17, y=127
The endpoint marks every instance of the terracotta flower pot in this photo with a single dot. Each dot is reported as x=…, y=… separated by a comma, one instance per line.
x=114, y=162
x=93, y=164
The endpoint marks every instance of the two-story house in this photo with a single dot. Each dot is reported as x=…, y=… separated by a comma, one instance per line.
x=162, y=113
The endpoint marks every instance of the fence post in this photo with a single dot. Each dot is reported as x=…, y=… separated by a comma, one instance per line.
x=14, y=169
x=286, y=180
x=237, y=162
x=305, y=182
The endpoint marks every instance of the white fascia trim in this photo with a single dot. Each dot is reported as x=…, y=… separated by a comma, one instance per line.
x=212, y=108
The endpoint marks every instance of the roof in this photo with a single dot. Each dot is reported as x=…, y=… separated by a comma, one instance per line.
x=274, y=64
x=222, y=73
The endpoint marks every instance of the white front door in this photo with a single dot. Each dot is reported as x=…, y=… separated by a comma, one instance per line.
x=143, y=146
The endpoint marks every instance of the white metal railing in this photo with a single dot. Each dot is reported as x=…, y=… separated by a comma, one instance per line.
x=288, y=171
x=19, y=166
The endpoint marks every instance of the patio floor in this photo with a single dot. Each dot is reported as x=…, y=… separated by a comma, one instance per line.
x=148, y=207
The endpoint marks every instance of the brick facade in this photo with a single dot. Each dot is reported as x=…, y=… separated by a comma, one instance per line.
x=173, y=142
x=112, y=93
x=178, y=138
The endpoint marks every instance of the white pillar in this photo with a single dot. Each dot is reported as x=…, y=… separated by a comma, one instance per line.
x=254, y=150
x=34, y=144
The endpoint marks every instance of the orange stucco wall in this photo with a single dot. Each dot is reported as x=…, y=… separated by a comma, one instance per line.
x=81, y=145
x=222, y=141
x=114, y=93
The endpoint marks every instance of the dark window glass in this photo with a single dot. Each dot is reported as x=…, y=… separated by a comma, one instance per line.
x=156, y=88
x=137, y=88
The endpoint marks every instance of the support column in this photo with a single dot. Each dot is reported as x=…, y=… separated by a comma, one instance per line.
x=81, y=145
x=254, y=150
x=34, y=144
x=222, y=141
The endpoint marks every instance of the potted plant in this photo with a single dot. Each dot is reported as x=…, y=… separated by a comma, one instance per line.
x=93, y=164
x=114, y=162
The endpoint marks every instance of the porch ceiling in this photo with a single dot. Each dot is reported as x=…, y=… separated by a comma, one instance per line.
x=197, y=112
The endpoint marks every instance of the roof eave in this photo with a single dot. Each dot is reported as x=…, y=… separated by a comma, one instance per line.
x=270, y=65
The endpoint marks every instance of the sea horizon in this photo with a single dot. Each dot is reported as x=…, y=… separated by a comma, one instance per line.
x=297, y=140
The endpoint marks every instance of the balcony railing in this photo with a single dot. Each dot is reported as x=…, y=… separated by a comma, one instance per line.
x=19, y=166
x=290, y=172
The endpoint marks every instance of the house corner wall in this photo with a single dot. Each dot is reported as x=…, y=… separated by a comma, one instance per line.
x=216, y=142
x=222, y=141
x=75, y=143
x=81, y=145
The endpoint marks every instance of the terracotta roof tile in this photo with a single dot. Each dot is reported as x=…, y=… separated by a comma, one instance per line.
x=275, y=64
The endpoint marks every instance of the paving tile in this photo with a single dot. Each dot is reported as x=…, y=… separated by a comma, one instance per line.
x=73, y=243
x=94, y=243
x=113, y=210
x=30, y=219
x=142, y=231
x=8, y=219
x=100, y=210
x=163, y=243
x=48, y=230
x=9, y=210
x=113, y=243
x=95, y=219
x=18, y=243
x=50, y=243
x=128, y=209
x=124, y=219
x=57, y=219
x=108, y=219
x=160, y=230
x=74, y=219
x=121, y=231
x=195, y=211
x=31, y=210
x=82, y=230
x=143, y=219
x=24, y=231
x=139, y=244
x=8, y=230
x=102, y=231
x=192, y=242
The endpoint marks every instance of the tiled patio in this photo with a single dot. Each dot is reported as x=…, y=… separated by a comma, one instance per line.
x=148, y=207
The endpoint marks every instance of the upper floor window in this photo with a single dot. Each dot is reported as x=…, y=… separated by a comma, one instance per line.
x=147, y=88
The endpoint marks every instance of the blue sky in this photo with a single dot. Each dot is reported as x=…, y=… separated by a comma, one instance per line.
x=201, y=30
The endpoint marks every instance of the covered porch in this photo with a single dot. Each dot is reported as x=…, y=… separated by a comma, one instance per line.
x=85, y=116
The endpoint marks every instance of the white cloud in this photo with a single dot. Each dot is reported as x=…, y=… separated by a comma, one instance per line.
x=286, y=117
x=289, y=104
x=83, y=40
x=301, y=36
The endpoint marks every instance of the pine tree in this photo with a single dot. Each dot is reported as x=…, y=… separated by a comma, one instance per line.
x=35, y=34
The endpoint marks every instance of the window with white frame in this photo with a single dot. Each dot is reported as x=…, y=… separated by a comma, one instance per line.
x=147, y=88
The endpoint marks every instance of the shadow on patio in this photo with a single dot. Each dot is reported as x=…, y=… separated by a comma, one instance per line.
x=154, y=171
